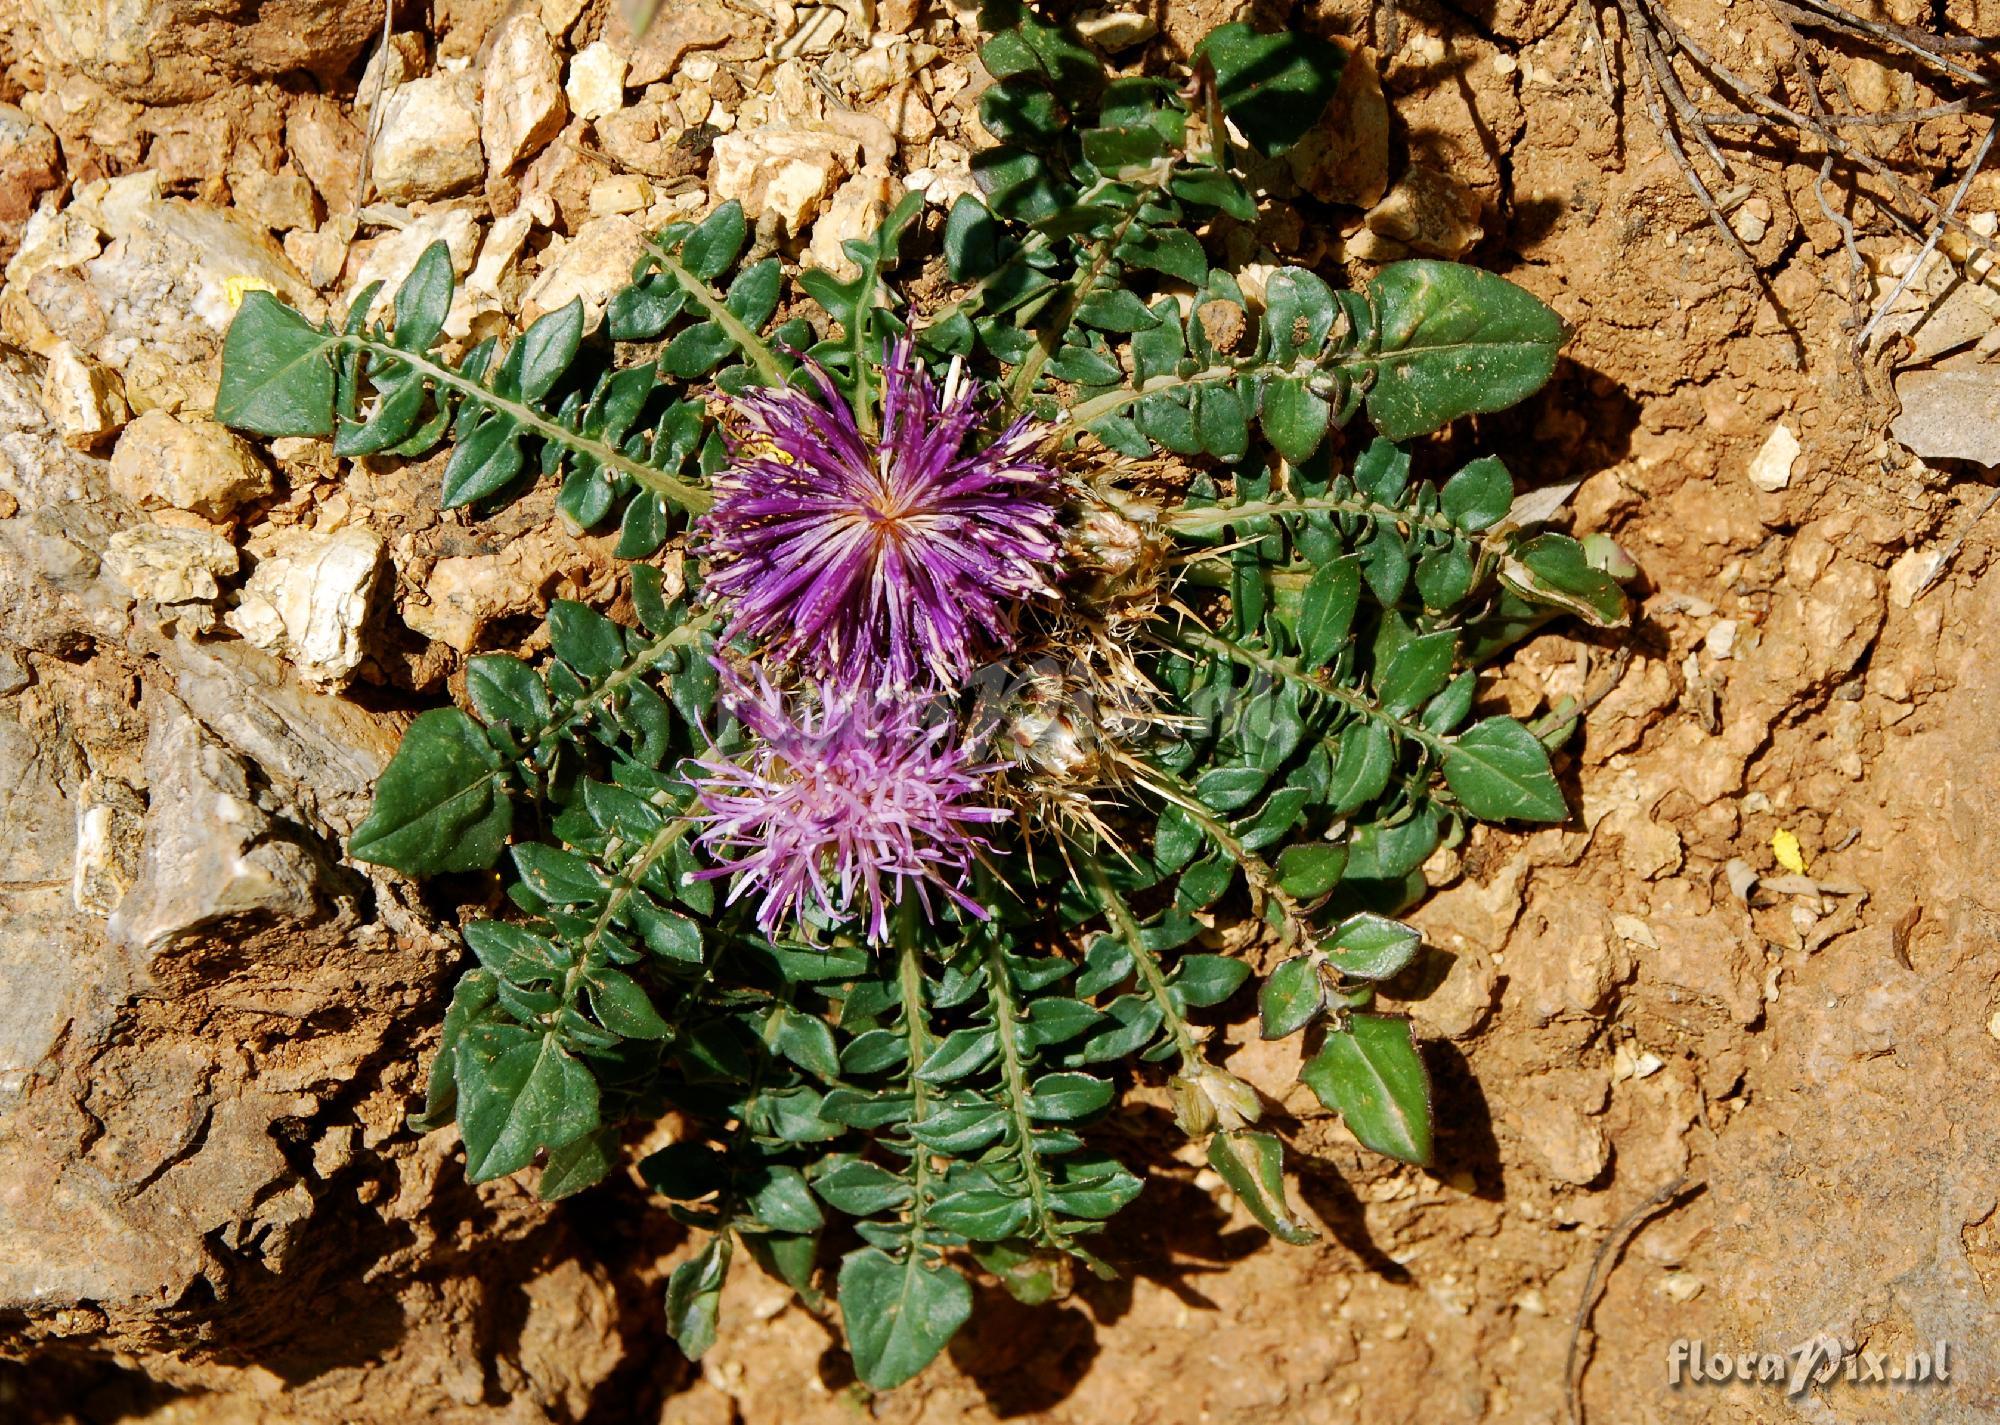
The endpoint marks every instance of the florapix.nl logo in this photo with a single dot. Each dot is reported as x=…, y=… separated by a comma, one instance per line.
x=1820, y=1361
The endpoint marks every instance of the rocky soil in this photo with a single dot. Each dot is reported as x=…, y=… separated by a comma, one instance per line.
x=1716, y=1060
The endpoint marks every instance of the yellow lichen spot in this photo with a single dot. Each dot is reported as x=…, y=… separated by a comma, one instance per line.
x=1785, y=846
x=235, y=289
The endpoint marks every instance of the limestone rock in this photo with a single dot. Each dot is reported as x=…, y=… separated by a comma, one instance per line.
x=428, y=143
x=280, y=201
x=1115, y=30
x=1430, y=213
x=388, y=259
x=1771, y=467
x=168, y=565
x=856, y=211
x=786, y=172
x=29, y=166
x=559, y=15
x=154, y=304
x=1345, y=158
x=308, y=598
x=1951, y=412
x=326, y=144
x=208, y=854
x=186, y=463
x=522, y=105
x=172, y=51
x=83, y=399
x=593, y=265
x=675, y=30
x=596, y=85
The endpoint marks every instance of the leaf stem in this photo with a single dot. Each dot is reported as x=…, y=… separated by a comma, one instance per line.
x=552, y=734
x=1287, y=669
x=754, y=348
x=1006, y=1026
x=1207, y=519
x=1022, y=382
x=691, y=498
x=1145, y=962
x=916, y=1030
x=1256, y=870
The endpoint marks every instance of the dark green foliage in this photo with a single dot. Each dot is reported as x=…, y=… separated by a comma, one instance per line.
x=943, y=1095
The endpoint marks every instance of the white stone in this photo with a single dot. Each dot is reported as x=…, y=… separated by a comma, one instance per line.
x=186, y=462
x=620, y=193
x=307, y=600
x=1115, y=30
x=559, y=15
x=1771, y=467
x=388, y=259
x=1720, y=640
x=596, y=84
x=1911, y=574
x=856, y=211
x=170, y=565
x=82, y=399
x=501, y=250
x=593, y=265
x=788, y=173
x=428, y=143
x=283, y=202
x=53, y=238
x=522, y=103
x=817, y=31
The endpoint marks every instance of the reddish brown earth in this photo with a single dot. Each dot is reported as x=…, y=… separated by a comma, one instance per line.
x=1664, y=1113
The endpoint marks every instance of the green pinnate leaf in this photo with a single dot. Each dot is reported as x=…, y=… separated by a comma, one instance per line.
x=1326, y=612
x=717, y=241
x=1310, y=869
x=424, y=299
x=1275, y=86
x=1205, y=980
x=1291, y=998
x=502, y=688
x=1066, y=1097
x=277, y=371
x=585, y=639
x=1253, y=1165
x=961, y=1052
x=899, y=1314
x=694, y=1297
x=527, y=1097
x=515, y=953
x=1295, y=419
x=1478, y=496
x=1453, y=341
x=484, y=462
x=621, y=1006
x=1416, y=671
x=1372, y=947
x=1361, y=767
x=1499, y=770
x=548, y=347
x=1554, y=569
x=442, y=804
x=1371, y=1074
x=857, y=1187
x=570, y=1169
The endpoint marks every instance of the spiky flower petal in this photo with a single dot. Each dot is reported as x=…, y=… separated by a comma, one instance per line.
x=891, y=562
x=841, y=806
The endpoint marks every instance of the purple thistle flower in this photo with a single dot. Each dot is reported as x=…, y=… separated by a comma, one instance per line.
x=884, y=563
x=846, y=806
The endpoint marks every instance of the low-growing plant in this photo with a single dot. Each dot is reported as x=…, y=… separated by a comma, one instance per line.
x=1013, y=671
